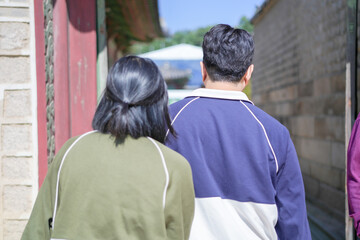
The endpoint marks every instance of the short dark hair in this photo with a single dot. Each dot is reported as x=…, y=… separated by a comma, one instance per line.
x=228, y=53
x=134, y=102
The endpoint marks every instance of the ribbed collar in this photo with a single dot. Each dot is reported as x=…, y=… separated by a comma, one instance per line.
x=220, y=94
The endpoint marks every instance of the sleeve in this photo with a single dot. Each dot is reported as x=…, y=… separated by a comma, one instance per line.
x=38, y=226
x=290, y=199
x=180, y=201
x=353, y=175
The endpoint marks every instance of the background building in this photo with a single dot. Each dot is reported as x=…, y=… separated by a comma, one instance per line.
x=184, y=57
x=300, y=78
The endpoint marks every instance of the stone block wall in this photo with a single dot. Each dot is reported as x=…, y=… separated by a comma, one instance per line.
x=299, y=78
x=18, y=159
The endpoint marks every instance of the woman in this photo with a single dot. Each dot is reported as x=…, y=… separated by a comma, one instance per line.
x=119, y=181
x=353, y=175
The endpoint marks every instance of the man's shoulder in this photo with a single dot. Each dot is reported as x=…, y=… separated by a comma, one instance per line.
x=177, y=106
x=270, y=123
x=276, y=134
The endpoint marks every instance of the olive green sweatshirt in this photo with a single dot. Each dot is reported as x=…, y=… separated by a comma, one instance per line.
x=97, y=189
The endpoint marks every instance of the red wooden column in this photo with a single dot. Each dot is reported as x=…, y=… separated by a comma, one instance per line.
x=41, y=90
x=82, y=64
x=74, y=68
x=75, y=86
x=61, y=74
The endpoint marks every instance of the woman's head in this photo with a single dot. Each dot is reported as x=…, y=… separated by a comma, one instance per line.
x=134, y=102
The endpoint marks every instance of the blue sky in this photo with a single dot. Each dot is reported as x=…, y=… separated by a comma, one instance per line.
x=191, y=14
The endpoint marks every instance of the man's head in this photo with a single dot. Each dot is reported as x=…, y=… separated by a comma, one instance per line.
x=228, y=54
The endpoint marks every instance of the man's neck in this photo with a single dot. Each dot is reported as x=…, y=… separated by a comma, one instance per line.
x=223, y=85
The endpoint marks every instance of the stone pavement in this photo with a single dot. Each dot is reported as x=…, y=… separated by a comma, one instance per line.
x=323, y=226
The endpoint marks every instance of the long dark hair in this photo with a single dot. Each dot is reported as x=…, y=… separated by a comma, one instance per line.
x=134, y=102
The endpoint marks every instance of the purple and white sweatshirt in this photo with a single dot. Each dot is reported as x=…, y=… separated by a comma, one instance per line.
x=248, y=183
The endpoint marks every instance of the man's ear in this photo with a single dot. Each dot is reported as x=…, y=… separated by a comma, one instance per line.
x=203, y=71
x=248, y=74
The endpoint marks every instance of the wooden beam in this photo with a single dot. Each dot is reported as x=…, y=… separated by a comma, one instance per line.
x=349, y=233
x=41, y=90
x=61, y=74
x=102, y=54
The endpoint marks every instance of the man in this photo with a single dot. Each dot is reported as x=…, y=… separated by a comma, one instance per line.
x=353, y=175
x=247, y=178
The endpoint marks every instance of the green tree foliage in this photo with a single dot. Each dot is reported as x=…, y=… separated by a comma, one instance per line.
x=246, y=24
x=247, y=90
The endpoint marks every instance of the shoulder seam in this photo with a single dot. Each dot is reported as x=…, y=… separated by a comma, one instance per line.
x=172, y=122
x=59, y=171
x=267, y=138
x=165, y=170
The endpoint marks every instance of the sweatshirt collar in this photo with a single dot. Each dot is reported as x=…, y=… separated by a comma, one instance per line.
x=220, y=94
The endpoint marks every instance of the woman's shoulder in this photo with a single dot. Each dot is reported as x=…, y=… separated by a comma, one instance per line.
x=71, y=142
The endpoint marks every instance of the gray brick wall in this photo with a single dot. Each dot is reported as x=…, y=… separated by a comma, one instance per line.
x=299, y=78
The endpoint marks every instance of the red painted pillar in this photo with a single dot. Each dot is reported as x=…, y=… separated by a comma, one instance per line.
x=41, y=89
x=82, y=64
x=74, y=68
x=61, y=74
x=75, y=93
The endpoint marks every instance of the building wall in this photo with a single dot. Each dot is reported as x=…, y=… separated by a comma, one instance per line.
x=299, y=77
x=18, y=142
